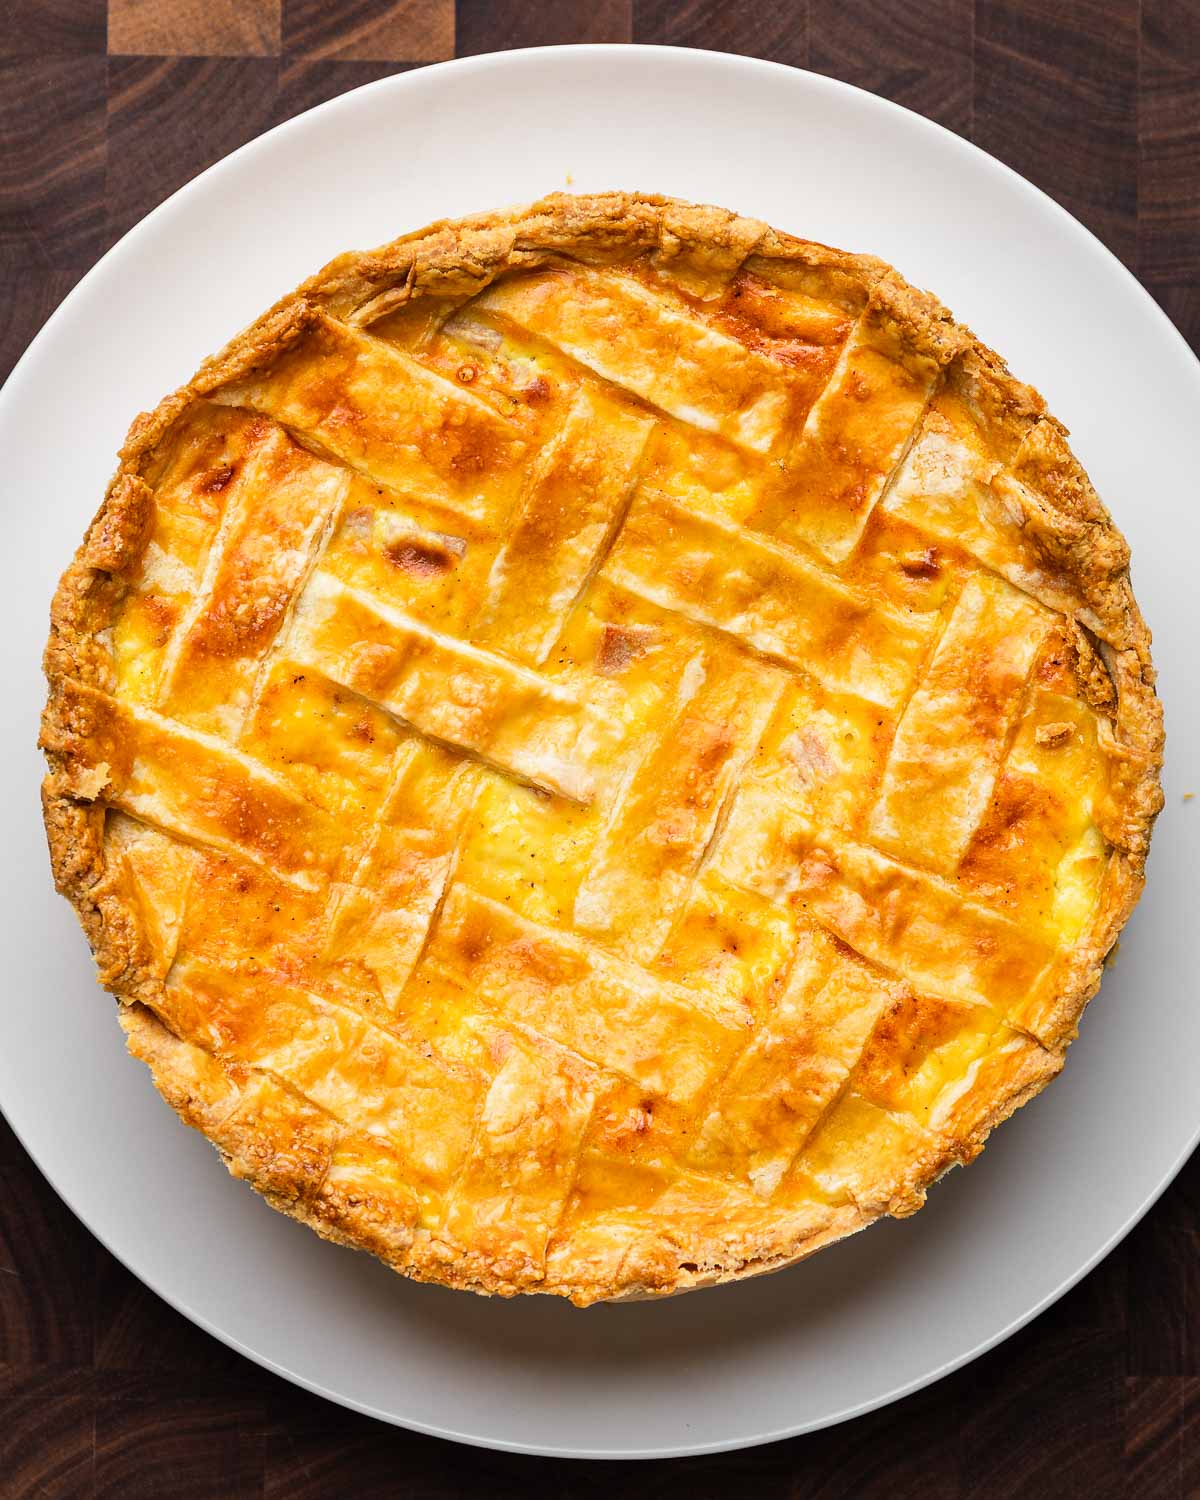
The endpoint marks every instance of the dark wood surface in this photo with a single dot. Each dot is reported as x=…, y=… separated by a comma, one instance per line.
x=107, y=108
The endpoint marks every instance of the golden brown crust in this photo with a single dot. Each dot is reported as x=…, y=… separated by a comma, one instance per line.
x=285, y=1146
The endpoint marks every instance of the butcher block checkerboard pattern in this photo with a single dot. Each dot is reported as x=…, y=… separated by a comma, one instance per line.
x=103, y=1389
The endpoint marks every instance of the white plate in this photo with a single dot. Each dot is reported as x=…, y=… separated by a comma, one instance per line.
x=889, y=1310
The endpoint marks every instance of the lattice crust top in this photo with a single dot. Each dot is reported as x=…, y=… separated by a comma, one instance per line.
x=602, y=747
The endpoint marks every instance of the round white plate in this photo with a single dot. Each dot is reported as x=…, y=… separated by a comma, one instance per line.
x=887, y=1311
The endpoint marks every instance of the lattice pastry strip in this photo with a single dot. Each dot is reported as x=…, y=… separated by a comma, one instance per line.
x=772, y=600
x=910, y=923
x=333, y=747
x=382, y=916
x=667, y=809
x=363, y=1076
x=855, y=435
x=572, y=508
x=159, y=870
x=349, y=1185
x=877, y=1159
x=453, y=692
x=211, y=460
x=730, y=943
x=643, y=344
x=1054, y=792
x=942, y=766
x=956, y=490
x=274, y=521
x=940, y=1061
x=510, y=1195
x=668, y=1040
x=365, y=402
x=194, y=786
x=784, y=1082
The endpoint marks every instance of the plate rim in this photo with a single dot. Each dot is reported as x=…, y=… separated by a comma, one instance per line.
x=672, y=56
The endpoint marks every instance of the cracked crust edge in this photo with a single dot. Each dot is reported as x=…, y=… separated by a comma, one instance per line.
x=1061, y=511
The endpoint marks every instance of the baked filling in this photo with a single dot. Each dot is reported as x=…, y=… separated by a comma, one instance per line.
x=601, y=748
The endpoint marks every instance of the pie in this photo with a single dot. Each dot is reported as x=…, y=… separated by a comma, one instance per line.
x=601, y=748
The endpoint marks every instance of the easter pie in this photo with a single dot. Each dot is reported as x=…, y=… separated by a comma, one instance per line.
x=601, y=748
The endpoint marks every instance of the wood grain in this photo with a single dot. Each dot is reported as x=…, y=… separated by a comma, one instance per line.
x=1182, y=1204
x=11, y=1151
x=1153, y=1435
x=366, y=31
x=776, y=32
x=919, y=56
x=1162, y=1286
x=303, y=85
x=203, y=28
x=1182, y=305
x=141, y=1345
x=42, y=1246
x=39, y=28
x=1189, y=1439
x=1169, y=104
x=1169, y=158
x=495, y=25
x=31, y=296
x=1015, y=1445
x=46, y=1436
x=187, y=1447
x=169, y=118
x=106, y=1391
x=52, y=123
x=1056, y=98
